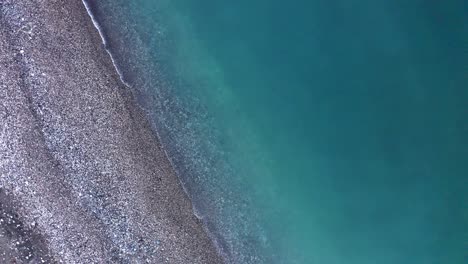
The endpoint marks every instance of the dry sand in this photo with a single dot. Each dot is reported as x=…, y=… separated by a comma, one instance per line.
x=83, y=179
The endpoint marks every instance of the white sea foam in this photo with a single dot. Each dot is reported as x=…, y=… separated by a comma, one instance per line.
x=101, y=34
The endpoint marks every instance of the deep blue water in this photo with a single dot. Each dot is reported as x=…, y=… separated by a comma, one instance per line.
x=325, y=132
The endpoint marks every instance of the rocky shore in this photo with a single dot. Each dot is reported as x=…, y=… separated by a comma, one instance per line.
x=83, y=178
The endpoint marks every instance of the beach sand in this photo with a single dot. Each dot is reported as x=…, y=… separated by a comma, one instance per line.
x=83, y=178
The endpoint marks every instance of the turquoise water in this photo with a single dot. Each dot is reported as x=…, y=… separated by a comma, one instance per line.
x=331, y=132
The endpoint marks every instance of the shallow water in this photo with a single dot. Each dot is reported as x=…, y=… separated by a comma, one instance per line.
x=312, y=131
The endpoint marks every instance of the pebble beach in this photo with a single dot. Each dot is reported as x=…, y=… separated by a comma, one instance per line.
x=83, y=177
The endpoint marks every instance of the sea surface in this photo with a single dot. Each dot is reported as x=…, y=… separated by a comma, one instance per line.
x=306, y=131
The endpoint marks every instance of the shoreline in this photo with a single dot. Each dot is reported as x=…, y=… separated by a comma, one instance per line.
x=215, y=238
x=121, y=77
x=86, y=169
x=186, y=128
